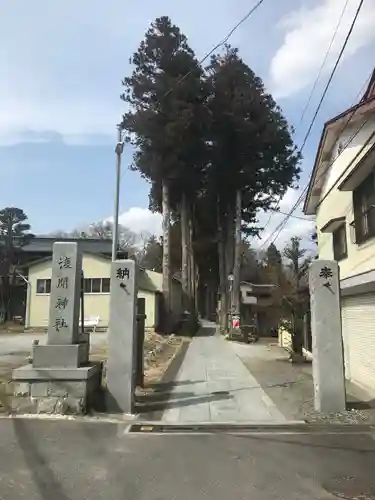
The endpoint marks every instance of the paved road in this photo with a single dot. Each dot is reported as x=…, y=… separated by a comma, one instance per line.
x=71, y=460
x=213, y=385
x=15, y=347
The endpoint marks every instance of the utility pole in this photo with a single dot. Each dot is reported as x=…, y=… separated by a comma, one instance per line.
x=237, y=258
x=118, y=150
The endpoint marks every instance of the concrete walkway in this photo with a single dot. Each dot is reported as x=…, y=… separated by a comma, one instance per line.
x=213, y=385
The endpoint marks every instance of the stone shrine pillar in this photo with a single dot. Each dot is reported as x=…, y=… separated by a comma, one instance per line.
x=327, y=343
x=121, y=367
x=64, y=347
x=60, y=379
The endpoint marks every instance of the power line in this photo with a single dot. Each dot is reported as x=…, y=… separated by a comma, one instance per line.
x=359, y=94
x=283, y=223
x=332, y=73
x=281, y=226
x=314, y=87
x=218, y=45
x=294, y=216
x=323, y=63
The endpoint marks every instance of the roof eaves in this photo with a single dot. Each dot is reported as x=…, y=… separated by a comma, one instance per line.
x=46, y=259
x=330, y=122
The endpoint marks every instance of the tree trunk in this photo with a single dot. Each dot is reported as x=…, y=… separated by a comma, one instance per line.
x=196, y=289
x=207, y=302
x=229, y=260
x=297, y=337
x=223, y=283
x=237, y=256
x=184, y=253
x=166, y=241
x=191, y=266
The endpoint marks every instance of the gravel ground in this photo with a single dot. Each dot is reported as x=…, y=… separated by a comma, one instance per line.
x=290, y=386
x=158, y=350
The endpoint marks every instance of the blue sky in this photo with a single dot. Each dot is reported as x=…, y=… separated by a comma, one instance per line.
x=60, y=81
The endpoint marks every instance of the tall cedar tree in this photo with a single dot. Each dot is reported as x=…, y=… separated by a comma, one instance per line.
x=166, y=119
x=251, y=149
x=251, y=143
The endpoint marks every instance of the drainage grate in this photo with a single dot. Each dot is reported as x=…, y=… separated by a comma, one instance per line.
x=351, y=488
x=209, y=428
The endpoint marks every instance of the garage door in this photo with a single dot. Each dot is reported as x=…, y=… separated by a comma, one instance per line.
x=358, y=327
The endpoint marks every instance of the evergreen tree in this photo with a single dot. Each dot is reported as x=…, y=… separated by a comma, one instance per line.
x=14, y=234
x=250, y=150
x=165, y=121
x=295, y=300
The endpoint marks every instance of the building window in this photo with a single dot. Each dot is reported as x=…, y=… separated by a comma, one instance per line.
x=105, y=285
x=97, y=285
x=43, y=285
x=249, y=294
x=340, y=247
x=364, y=209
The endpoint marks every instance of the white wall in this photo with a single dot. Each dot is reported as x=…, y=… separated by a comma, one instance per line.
x=361, y=258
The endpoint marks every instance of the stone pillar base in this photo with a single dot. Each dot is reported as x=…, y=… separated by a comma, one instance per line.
x=58, y=391
x=60, y=356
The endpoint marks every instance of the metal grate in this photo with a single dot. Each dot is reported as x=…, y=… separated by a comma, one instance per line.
x=293, y=427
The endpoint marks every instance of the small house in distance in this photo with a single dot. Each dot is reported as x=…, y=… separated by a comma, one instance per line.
x=96, y=268
x=256, y=307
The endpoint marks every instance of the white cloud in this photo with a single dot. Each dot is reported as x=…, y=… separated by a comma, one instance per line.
x=289, y=199
x=297, y=225
x=141, y=220
x=294, y=227
x=17, y=136
x=307, y=34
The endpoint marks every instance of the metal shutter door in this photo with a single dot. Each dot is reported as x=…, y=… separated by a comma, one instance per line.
x=358, y=328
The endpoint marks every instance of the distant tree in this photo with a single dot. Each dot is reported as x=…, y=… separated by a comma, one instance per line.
x=297, y=264
x=314, y=237
x=128, y=240
x=273, y=255
x=14, y=234
x=104, y=230
x=249, y=263
x=58, y=234
x=295, y=300
x=274, y=266
x=151, y=255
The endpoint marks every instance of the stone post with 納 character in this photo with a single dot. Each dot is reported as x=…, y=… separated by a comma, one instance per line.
x=327, y=344
x=121, y=367
x=61, y=379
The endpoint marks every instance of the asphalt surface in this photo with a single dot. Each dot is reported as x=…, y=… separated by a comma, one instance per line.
x=71, y=460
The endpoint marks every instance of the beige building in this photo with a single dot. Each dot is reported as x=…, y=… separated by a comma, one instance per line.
x=341, y=195
x=96, y=269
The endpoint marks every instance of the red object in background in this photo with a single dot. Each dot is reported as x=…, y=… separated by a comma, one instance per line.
x=236, y=323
